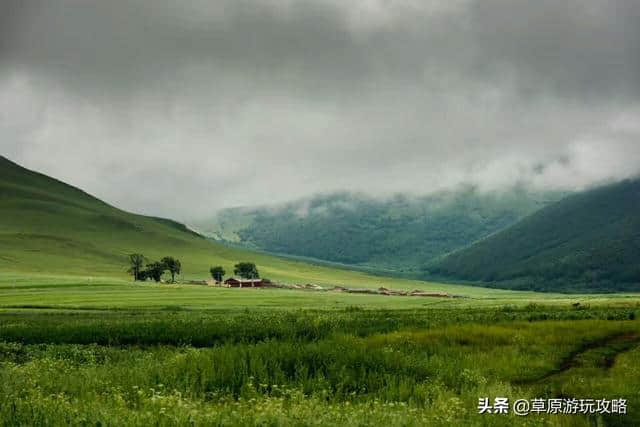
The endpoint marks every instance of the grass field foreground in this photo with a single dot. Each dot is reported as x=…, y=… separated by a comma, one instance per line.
x=312, y=367
x=106, y=351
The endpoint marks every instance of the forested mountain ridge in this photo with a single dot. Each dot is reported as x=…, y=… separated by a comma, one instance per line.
x=589, y=241
x=400, y=233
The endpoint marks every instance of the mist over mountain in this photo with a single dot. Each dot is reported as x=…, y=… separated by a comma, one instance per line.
x=399, y=233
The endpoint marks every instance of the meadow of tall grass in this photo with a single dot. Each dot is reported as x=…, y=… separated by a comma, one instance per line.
x=349, y=367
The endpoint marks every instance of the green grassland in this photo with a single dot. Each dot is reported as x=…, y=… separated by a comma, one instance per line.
x=358, y=365
x=82, y=344
x=80, y=350
x=74, y=291
x=106, y=351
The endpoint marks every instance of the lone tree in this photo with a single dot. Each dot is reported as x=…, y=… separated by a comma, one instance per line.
x=217, y=273
x=155, y=270
x=136, y=261
x=173, y=265
x=246, y=270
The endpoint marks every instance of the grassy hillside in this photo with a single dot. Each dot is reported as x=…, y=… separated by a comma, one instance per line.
x=47, y=226
x=399, y=234
x=587, y=242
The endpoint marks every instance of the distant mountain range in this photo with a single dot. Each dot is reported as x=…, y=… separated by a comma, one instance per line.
x=586, y=242
x=583, y=242
x=401, y=234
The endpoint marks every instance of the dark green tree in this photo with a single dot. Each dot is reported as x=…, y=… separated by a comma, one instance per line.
x=246, y=270
x=136, y=261
x=155, y=270
x=217, y=273
x=173, y=265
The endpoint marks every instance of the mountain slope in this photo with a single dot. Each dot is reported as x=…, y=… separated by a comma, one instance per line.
x=399, y=234
x=587, y=242
x=47, y=226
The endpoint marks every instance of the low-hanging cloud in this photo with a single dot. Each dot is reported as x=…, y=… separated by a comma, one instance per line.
x=178, y=109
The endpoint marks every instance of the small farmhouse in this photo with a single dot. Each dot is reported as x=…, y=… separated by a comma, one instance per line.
x=233, y=282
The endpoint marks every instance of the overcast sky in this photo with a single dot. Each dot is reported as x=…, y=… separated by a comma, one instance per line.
x=180, y=108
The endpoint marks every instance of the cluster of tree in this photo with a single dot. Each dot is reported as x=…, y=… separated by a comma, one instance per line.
x=245, y=270
x=142, y=269
x=154, y=270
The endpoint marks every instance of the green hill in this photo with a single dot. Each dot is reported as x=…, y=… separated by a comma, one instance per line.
x=587, y=242
x=398, y=234
x=49, y=227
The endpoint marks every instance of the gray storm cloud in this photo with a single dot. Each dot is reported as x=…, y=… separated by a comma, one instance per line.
x=180, y=108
